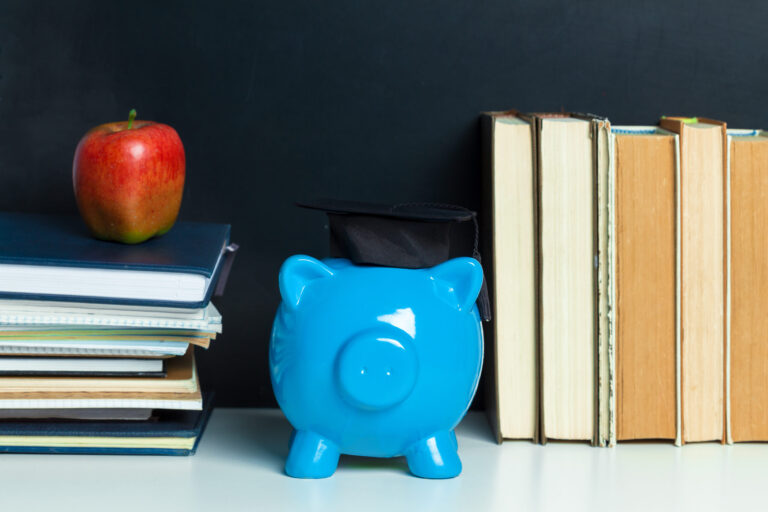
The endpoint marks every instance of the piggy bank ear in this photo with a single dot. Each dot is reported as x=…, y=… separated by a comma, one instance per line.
x=296, y=274
x=458, y=282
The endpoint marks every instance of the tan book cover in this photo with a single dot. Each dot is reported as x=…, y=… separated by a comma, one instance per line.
x=703, y=279
x=102, y=400
x=181, y=377
x=748, y=264
x=645, y=282
x=134, y=396
x=199, y=341
x=508, y=223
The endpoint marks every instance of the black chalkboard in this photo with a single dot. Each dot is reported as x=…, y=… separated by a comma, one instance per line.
x=282, y=100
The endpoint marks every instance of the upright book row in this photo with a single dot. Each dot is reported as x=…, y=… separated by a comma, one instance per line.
x=629, y=279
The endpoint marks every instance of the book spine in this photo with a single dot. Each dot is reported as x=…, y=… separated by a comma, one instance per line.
x=678, y=299
x=728, y=434
x=99, y=403
x=95, y=451
x=541, y=430
x=610, y=363
x=490, y=376
x=726, y=281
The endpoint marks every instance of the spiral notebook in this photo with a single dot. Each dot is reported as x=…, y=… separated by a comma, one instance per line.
x=39, y=313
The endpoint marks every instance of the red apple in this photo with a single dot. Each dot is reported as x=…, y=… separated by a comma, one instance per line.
x=129, y=179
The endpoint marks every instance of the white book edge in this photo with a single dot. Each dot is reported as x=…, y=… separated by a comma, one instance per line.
x=603, y=162
x=83, y=308
x=100, y=403
x=741, y=132
x=638, y=130
x=83, y=364
x=69, y=322
x=515, y=346
x=75, y=352
x=611, y=438
x=728, y=434
x=678, y=307
x=43, y=316
x=101, y=283
x=172, y=347
x=109, y=283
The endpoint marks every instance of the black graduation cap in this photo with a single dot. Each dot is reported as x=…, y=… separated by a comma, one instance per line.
x=406, y=235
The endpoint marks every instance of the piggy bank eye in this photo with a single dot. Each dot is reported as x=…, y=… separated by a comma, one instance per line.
x=296, y=274
x=458, y=282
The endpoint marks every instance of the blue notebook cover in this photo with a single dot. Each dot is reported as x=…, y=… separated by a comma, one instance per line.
x=64, y=241
x=166, y=423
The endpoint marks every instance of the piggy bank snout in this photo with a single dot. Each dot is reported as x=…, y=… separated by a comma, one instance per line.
x=376, y=370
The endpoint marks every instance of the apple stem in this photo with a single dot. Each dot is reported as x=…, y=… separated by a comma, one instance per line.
x=131, y=117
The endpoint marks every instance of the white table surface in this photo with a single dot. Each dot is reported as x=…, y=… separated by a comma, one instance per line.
x=238, y=466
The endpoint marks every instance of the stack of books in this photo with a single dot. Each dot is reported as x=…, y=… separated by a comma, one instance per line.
x=97, y=339
x=628, y=276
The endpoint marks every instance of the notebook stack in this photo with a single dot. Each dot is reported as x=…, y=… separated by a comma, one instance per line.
x=97, y=339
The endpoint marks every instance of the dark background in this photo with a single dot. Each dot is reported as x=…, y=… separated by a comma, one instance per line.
x=277, y=101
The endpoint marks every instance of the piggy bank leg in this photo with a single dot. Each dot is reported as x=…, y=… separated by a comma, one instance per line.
x=435, y=457
x=311, y=456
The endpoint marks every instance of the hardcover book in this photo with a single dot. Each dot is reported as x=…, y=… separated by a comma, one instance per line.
x=180, y=377
x=703, y=276
x=509, y=236
x=573, y=163
x=167, y=433
x=645, y=282
x=81, y=366
x=747, y=319
x=178, y=269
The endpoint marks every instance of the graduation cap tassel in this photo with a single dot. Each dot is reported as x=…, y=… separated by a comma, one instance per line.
x=483, y=300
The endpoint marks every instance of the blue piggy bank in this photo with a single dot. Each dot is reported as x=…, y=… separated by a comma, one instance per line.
x=376, y=361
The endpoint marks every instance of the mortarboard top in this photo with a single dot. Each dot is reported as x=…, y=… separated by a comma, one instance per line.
x=407, y=235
